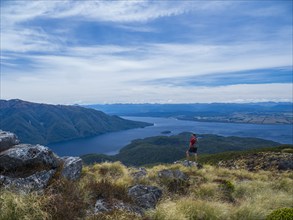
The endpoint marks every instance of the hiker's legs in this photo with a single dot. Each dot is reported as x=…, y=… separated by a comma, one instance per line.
x=187, y=155
x=195, y=157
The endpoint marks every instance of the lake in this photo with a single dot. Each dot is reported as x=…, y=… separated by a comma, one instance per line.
x=111, y=143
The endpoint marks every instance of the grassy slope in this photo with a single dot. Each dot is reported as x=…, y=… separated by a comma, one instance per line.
x=213, y=159
x=210, y=193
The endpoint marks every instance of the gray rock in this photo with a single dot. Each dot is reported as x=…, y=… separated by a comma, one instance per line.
x=187, y=163
x=145, y=197
x=104, y=206
x=26, y=155
x=72, y=168
x=7, y=140
x=142, y=172
x=35, y=182
x=173, y=174
x=285, y=165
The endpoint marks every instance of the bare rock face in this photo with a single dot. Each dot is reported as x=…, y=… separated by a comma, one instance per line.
x=145, y=197
x=72, y=168
x=7, y=140
x=26, y=155
x=35, y=182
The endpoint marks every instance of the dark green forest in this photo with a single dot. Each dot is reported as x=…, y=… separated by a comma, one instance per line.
x=164, y=149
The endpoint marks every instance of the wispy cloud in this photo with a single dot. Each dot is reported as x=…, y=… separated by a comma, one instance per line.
x=114, y=11
x=145, y=51
x=254, y=76
x=19, y=35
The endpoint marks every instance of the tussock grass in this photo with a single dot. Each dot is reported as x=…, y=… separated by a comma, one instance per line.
x=15, y=206
x=114, y=215
x=209, y=193
x=113, y=172
x=220, y=193
x=188, y=208
x=106, y=180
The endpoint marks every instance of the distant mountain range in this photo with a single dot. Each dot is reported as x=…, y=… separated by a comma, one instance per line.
x=213, y=109
x=164, y=149
x=42, y=123
x=255, y=113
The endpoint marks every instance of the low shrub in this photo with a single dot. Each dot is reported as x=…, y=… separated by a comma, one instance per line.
x=281, y=214
x=106, y=190
x=287, y=150
x=227, y=188
x=178, y=186
x=64, y=199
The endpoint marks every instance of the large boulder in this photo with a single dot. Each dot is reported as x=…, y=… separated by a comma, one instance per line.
x=145, y=197
x=35, y=182
x=7, y=140
x=28, y=156
x=71, y=168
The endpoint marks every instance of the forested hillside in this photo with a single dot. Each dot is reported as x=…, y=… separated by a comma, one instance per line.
x=43, y=123
x=163, y=149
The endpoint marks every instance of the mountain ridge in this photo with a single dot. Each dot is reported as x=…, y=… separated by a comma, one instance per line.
x=47, y=123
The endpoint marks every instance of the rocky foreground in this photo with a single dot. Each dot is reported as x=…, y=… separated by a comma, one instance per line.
x=35, y=183
x=26, y=168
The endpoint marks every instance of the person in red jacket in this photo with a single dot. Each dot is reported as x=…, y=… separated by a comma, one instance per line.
x=192, y=150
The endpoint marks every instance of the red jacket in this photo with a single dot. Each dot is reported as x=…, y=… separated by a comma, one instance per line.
x=193, y=141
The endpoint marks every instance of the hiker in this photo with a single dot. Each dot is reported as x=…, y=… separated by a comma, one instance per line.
x=192, y=148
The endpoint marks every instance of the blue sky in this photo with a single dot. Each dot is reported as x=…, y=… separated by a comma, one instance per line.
x=146, y=51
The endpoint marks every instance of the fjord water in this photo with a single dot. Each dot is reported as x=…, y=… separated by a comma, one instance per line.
x=111, y=143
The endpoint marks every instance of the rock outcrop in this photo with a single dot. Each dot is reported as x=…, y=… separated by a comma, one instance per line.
x=26, y=155
x=35, y=182
x=7, y=140
x=71, y=168
x=145, y=197
x=26, y=167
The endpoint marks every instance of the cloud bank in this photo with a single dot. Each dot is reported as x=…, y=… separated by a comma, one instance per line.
x=146, y=51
